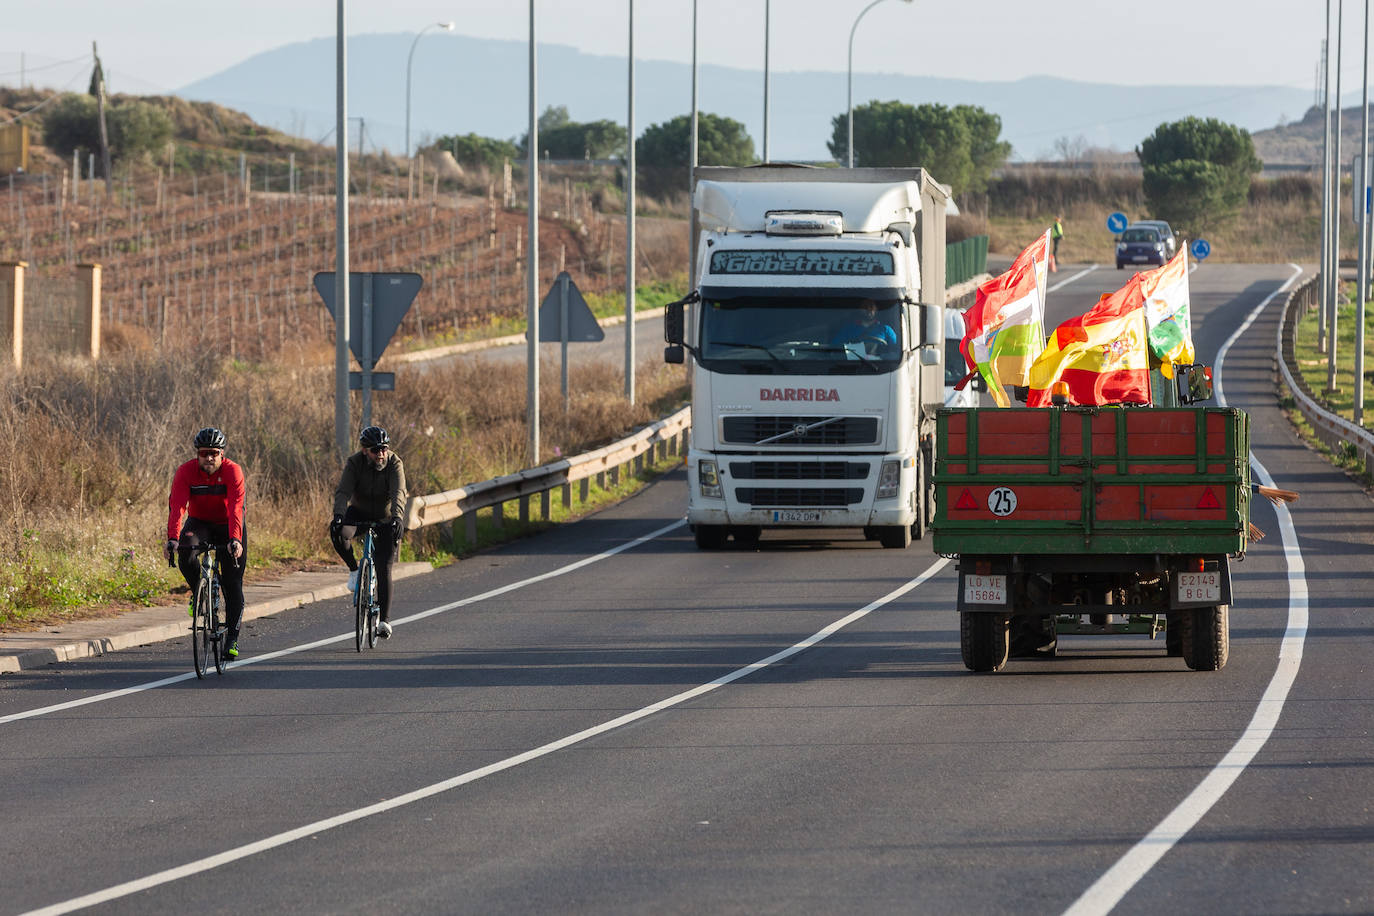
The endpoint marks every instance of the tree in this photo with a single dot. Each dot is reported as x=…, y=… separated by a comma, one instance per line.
x=476, y=150
x=70, y=125
x=959, y=146
x=597, y=140
x=135, y=127
x=720, y=141
x=1196, y=172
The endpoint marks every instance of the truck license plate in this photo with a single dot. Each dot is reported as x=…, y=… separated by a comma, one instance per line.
x=1199, y=587
x=796, y=515
x=985, y=589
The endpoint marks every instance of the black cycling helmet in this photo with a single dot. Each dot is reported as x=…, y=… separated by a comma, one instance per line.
x=209, y=437
x=374, y=437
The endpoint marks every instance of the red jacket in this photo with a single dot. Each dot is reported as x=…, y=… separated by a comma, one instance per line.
x=215, y=498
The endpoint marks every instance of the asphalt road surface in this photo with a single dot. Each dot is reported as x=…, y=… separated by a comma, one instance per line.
x=603, y=719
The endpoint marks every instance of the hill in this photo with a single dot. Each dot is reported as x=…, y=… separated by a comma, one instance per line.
x=1300, y=143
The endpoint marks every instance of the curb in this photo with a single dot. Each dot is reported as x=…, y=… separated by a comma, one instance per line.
x=168, y=623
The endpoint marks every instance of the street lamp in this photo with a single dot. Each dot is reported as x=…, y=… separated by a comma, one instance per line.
x=447, y=27
x=851, y=77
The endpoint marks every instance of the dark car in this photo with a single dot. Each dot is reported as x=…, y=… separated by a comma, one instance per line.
x=1165, y=231
x=1141, y=245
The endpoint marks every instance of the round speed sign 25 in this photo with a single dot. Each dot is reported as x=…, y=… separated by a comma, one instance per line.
x=1002, y=501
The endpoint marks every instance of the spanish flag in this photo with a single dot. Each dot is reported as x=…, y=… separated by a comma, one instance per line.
x=1005, y=326
x=1102, y=356
x=1168, y=315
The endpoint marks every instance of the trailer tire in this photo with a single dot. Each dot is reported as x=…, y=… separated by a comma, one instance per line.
x=897, y=537
x=1206, y=638
x=923, y=499
x=1173, y=635
x=984, y=640
x=710, y=537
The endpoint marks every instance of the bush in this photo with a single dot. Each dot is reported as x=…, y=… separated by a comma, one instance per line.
x=134, y=127
x=70, y=124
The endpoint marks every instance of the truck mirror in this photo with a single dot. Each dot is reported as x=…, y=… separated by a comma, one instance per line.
x=979, y=383
x=673, y=354
x=930, y=356
x=672, y=327
x=932, y=328
x=1195, y=384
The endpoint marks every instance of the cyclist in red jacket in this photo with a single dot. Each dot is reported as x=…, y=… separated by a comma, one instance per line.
x=206, y=507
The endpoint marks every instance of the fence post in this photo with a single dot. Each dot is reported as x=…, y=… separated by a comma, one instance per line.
x=12, y=308
x=90, y=318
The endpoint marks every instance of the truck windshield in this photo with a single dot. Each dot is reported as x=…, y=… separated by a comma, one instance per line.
x=800, y=336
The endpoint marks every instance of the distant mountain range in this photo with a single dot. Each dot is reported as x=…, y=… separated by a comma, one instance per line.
x=462, y=84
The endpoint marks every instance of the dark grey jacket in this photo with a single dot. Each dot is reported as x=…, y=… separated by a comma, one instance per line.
x=377, y=494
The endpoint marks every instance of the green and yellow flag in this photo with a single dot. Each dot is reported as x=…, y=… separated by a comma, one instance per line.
x=1168, y=315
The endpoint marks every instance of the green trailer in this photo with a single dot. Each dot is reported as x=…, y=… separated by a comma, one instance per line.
x=1092, y=520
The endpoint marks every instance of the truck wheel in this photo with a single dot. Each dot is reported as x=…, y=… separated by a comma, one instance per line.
x=897, y=537
x=1206, y=638
x=710, y=537
x=984, y=640
x=747, y=535
x=1173, y=635
x=923, y=499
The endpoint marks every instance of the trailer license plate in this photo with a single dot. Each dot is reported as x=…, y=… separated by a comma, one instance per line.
x=985, y=589
x=796, y=515
x=1199, y=587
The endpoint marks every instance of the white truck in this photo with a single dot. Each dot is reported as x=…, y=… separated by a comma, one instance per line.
x=816, y=332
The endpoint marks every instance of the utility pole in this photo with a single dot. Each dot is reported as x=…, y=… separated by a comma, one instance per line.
x=98, y=90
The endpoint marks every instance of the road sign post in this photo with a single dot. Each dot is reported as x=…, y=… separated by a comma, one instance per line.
x=565, y=316
x=377, y=303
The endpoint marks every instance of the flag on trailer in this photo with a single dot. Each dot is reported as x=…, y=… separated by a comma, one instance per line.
x=1168, y=314
x=1005, y=327
x=1102, y=356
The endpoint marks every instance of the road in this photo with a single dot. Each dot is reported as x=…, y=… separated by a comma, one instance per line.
x=604, y=719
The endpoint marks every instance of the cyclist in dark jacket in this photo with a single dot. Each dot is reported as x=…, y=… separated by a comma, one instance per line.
x=206, y=506
x=372, y=488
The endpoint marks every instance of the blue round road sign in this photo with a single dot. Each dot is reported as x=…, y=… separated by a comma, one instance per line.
x=1200, y=248
x=1116, y=223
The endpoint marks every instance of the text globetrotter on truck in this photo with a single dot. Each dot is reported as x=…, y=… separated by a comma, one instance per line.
x=817, y=344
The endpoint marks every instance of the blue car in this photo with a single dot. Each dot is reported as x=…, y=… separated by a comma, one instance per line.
x=1141, y=245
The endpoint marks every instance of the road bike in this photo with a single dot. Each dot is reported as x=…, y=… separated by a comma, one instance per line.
x=366, y=610
x=207, y=630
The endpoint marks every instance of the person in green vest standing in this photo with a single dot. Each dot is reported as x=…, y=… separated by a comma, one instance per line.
x=1056, y=233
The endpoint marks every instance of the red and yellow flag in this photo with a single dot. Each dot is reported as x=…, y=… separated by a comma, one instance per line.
x=1004, y=329
x=1103, y=356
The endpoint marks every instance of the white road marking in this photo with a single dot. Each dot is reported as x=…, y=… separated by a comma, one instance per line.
x=348, y=817
x=306, y=647
x=1107, y=891
x=1067, y=280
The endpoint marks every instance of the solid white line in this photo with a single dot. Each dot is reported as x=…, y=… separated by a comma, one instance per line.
x=306, y=647
x=1067, y=280
x=309, y=830
x=1107, y=891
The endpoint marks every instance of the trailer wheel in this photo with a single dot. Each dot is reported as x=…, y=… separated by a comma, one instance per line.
x=710, y=537
x=984, y=640
x=1206, y=638
x=898, y=537
x=923, y=499
x=1173, y=635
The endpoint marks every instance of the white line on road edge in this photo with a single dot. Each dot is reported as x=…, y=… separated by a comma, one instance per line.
x=1067, y=280
x=305, y=647
x=1106, y=892
x=309, y=830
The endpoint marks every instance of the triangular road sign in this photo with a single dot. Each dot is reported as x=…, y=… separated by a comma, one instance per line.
x=582, y=324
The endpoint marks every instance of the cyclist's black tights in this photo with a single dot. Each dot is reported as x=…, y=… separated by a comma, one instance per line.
x=383, y=552
x=196, y=532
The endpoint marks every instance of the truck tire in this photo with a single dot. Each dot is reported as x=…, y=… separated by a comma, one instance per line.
x=898, y=537
x=924, y=499
x=984, y=640
x=710, y=537
x=746, y=535
x=1206, y=638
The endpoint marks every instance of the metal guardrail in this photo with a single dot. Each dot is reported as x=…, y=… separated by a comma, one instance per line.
x=1331, y=429
x=669, y=436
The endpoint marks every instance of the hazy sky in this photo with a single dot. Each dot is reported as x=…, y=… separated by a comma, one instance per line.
x=153, y=46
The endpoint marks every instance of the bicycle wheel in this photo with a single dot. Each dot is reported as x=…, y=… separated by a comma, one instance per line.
x=202, y=633
x=367, y=587
x=218, y=633
x=359, y=609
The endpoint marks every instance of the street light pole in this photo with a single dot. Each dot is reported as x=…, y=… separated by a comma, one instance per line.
x=447, y=27
x=766, y=12
x=850, y=118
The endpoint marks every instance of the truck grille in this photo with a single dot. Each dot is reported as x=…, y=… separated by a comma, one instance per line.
x=797, y=498
x=799, y=470
x=838, y=431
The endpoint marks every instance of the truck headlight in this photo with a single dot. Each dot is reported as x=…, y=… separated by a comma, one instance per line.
x=709, y=478
x=889, y=479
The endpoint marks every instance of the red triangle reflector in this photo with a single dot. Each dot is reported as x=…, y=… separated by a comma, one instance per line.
x=965, y=500
x=1208, y=500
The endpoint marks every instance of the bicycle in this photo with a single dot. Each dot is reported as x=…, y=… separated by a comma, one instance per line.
x=207, y=632
x=366, y=610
